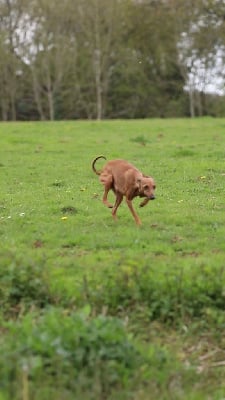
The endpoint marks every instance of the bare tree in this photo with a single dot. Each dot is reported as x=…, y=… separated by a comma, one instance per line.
x=46, y=52
x=100, y=27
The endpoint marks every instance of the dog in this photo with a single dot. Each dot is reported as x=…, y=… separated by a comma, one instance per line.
x=125, y=181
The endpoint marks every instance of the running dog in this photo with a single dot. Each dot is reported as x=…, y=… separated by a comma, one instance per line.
x=125, y=181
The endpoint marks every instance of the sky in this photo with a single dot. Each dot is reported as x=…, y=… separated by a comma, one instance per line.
x=211, y=79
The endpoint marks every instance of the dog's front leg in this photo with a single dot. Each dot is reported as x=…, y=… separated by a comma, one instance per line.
x=130, y=205
x=144, y=202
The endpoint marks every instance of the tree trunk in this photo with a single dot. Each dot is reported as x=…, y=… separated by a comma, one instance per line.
x=191, y=102
x=199, y=103
x=37, y=95
x=4, y=110
x=50, y=95
x=97, y=63
x=51, y=105
x=13, y=105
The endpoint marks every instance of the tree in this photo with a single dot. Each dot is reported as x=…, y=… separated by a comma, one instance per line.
x=10, y=66
x=47, y=52
x=99, y=42
x=151, y=44
x=200, y=25
x=108, y=59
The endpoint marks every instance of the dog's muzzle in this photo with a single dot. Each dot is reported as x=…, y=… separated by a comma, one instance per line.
x=152, y=197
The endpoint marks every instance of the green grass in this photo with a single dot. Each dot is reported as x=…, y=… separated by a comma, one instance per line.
x=165, y=280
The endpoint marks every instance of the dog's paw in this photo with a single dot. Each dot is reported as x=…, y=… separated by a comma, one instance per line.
x=144, y=202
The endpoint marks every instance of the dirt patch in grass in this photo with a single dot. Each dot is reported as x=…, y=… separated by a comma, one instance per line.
x=69, y=210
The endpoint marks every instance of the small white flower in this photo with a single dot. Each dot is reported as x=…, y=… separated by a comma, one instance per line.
x=9, y=217
x=22, y=214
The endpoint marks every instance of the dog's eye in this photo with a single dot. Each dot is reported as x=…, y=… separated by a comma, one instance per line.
x=154, y=187
x=146, y=187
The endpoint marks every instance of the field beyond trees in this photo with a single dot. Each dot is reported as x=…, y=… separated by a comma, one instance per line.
x=93, y=309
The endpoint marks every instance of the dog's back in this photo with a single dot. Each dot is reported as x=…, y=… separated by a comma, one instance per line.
x=122, y=174
x=119, y=167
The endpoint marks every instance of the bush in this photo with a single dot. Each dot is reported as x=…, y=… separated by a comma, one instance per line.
x=67, y=352
x=171, y=294
x=23, y=286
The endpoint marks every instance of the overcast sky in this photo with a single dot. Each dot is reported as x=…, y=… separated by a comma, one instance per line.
x=209, y=80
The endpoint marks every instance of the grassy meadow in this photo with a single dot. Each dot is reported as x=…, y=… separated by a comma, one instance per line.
x=91, y=308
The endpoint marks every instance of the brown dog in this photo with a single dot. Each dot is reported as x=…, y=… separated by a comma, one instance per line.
x=124, y=180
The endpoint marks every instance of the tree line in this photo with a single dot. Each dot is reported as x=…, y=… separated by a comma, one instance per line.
x=95, y=59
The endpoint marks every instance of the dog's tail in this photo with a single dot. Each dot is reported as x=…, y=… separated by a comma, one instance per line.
x=93, y=165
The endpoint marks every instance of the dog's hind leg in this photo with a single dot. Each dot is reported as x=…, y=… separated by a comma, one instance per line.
x=105, y=195
x=119, y=198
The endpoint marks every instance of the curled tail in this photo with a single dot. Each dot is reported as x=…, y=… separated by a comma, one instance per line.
x=93, y=165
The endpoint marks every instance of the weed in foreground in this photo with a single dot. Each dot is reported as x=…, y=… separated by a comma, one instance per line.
x=73, y=353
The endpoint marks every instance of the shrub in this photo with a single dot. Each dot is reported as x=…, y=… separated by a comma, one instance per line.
x=68, y=352
x=22, y=286
x=171, y=294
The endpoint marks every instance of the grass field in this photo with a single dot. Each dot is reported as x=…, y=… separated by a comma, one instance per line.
x=97, y=309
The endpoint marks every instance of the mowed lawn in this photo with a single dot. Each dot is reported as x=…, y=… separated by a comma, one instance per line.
x=166, y=278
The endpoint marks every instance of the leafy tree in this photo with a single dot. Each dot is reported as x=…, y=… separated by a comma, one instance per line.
x=98, y=59
x=152, y=75
x=10, y=66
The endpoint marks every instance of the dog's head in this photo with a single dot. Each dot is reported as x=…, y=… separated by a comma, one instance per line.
x=146, y=187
